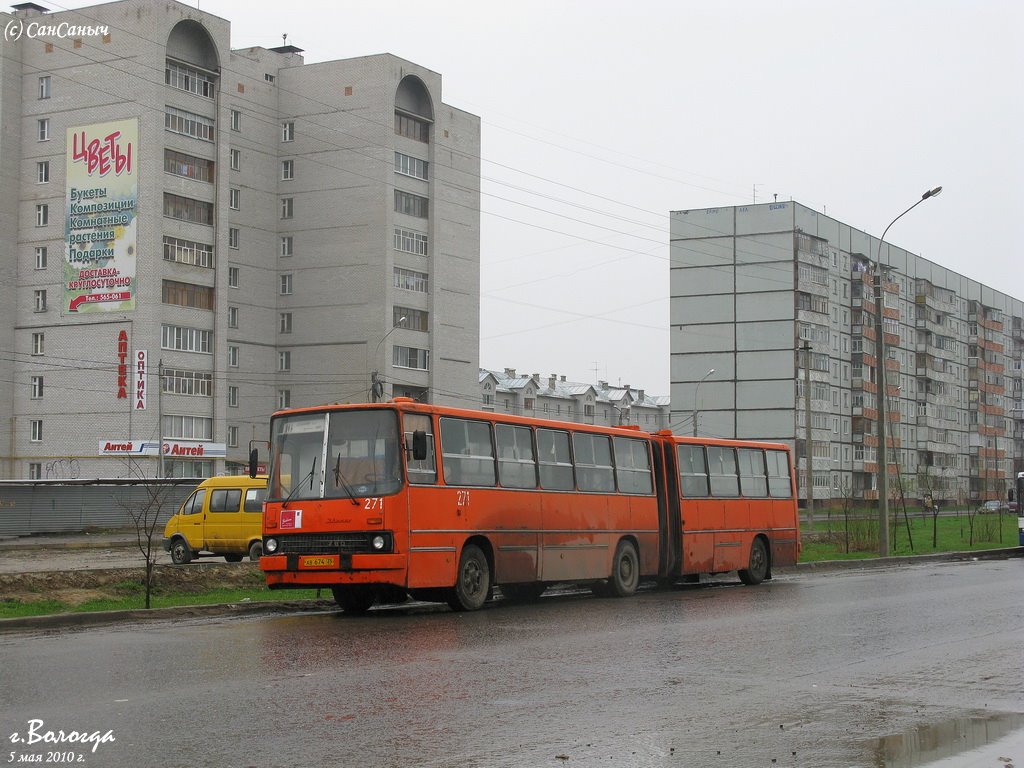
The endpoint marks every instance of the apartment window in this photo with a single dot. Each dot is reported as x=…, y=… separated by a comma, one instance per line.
x=43, y=172
x=188, y=295
x=40, y=257
x=269, y=77
x=232, y=356
x=233, y=237
x=288, y=131
x=285, y=325
x=188, y=427
x=188, y=166
x=284, y=398
x=234, y=196
x=413, y=319
x=182, y=382
x=44, y=87
x=410, y=357
x=188, y=252
x=38, y=343
x=185, y=339
x=35, y=471
x=37, y=388
x=287, y=170
x=232, y=397
x=410, y=166
x=284, y=361
x=286, y=285
x=236, y=120
x=186, y=78
x=235, y=157
x=39, y=300
x=411, y=205
x=287, y=245
x=232, y=277
x=36, y=430
x=188, y=209
x=287, y=207
x=410, y=280
x=188, y=123
x=410, y=242
x=42, y=215
x=232, y=437
x=43, y=129
x=232, y=317
x=412, y=128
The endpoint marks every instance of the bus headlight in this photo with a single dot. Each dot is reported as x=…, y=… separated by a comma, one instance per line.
x=270, y=545
x=378, y=542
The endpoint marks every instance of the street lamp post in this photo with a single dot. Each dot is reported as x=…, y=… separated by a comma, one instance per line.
x=883, y=459
x=695, y=391
x=376, y=385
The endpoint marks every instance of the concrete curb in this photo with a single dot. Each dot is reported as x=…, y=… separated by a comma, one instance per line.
x=229, y=610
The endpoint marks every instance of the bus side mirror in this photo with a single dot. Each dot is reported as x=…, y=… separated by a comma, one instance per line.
x=419, y=445
x=254, y=457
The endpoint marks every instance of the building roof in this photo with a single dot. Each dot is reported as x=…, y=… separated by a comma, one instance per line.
x=555, y=386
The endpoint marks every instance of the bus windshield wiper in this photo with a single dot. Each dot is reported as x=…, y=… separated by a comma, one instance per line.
x=339, y=479
x=298, y=485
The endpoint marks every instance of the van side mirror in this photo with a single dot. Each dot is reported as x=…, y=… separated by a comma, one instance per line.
x=254, y=458
x=419, y=445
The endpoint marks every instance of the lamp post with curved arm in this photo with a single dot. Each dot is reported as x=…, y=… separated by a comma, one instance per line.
x=883, y=458
x=695, y=391
x=376, y=385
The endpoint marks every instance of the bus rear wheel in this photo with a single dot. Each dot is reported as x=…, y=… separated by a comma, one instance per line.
x=757, y=570
x=625, y=570
x=472, y=582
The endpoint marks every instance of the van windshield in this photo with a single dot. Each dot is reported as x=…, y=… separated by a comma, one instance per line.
x=341, y=454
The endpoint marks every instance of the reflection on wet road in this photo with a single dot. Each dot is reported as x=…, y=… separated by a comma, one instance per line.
x=808, y=670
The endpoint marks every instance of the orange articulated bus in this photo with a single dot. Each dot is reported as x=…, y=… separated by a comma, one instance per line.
x=384, y=501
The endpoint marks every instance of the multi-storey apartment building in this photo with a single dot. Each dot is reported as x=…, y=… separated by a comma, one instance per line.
x=195, y=236
x=552, y=397
x=762, y=292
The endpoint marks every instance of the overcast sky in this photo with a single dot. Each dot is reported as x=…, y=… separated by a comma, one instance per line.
x=600, y=117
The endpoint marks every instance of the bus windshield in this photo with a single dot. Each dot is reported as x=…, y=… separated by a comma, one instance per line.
x=338, y=454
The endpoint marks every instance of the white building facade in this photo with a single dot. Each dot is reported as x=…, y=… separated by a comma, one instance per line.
x=195, y=236
x=752, y=285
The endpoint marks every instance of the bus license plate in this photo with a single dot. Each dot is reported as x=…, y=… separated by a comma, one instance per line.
x=319, y=562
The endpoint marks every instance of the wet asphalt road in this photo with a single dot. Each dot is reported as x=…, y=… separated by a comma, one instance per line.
x=812, y=669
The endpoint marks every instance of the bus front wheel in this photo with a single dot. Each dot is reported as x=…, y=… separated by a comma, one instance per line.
x=354, y=599
x=757, y=570
x=472, y=582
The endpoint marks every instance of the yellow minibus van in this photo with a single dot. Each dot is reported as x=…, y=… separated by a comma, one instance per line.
x=223, y=516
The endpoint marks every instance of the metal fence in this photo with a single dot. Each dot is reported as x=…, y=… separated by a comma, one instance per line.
x=60, y=506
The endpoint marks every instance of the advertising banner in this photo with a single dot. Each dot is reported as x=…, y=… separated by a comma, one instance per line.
x=101, y=227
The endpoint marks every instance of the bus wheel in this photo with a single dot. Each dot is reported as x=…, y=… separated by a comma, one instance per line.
x=756, y=572
x=473, y=581
x=523, y=593
x=181, y=554
x=354, y=599
x=625, y=570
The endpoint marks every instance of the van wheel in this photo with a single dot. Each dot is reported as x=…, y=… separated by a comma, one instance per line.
x=256, y=551
x=181, y=553
x=472, y=582
x=233, y=558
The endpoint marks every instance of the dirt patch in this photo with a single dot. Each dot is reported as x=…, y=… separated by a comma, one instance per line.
x=75, y=587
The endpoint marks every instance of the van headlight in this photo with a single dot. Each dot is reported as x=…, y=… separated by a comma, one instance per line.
x=378, y=542
x=270, y=545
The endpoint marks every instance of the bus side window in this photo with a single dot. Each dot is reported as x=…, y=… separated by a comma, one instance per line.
x=693, y=471
x=420, y=472
x=753, y=482
x=555, y=460
x=722, y=465
x=517, y=467
x=467, y=452
x=778, y=475
x=632, y=465
x=593, y=458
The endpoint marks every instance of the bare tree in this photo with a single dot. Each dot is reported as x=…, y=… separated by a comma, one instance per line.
x=145, y=515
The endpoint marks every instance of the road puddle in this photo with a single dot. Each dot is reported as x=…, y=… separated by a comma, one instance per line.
x=928, y=743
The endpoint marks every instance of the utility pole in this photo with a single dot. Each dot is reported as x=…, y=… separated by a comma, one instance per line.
x=809, y=448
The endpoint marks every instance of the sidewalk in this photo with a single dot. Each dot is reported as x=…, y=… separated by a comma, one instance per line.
x=102, y=539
